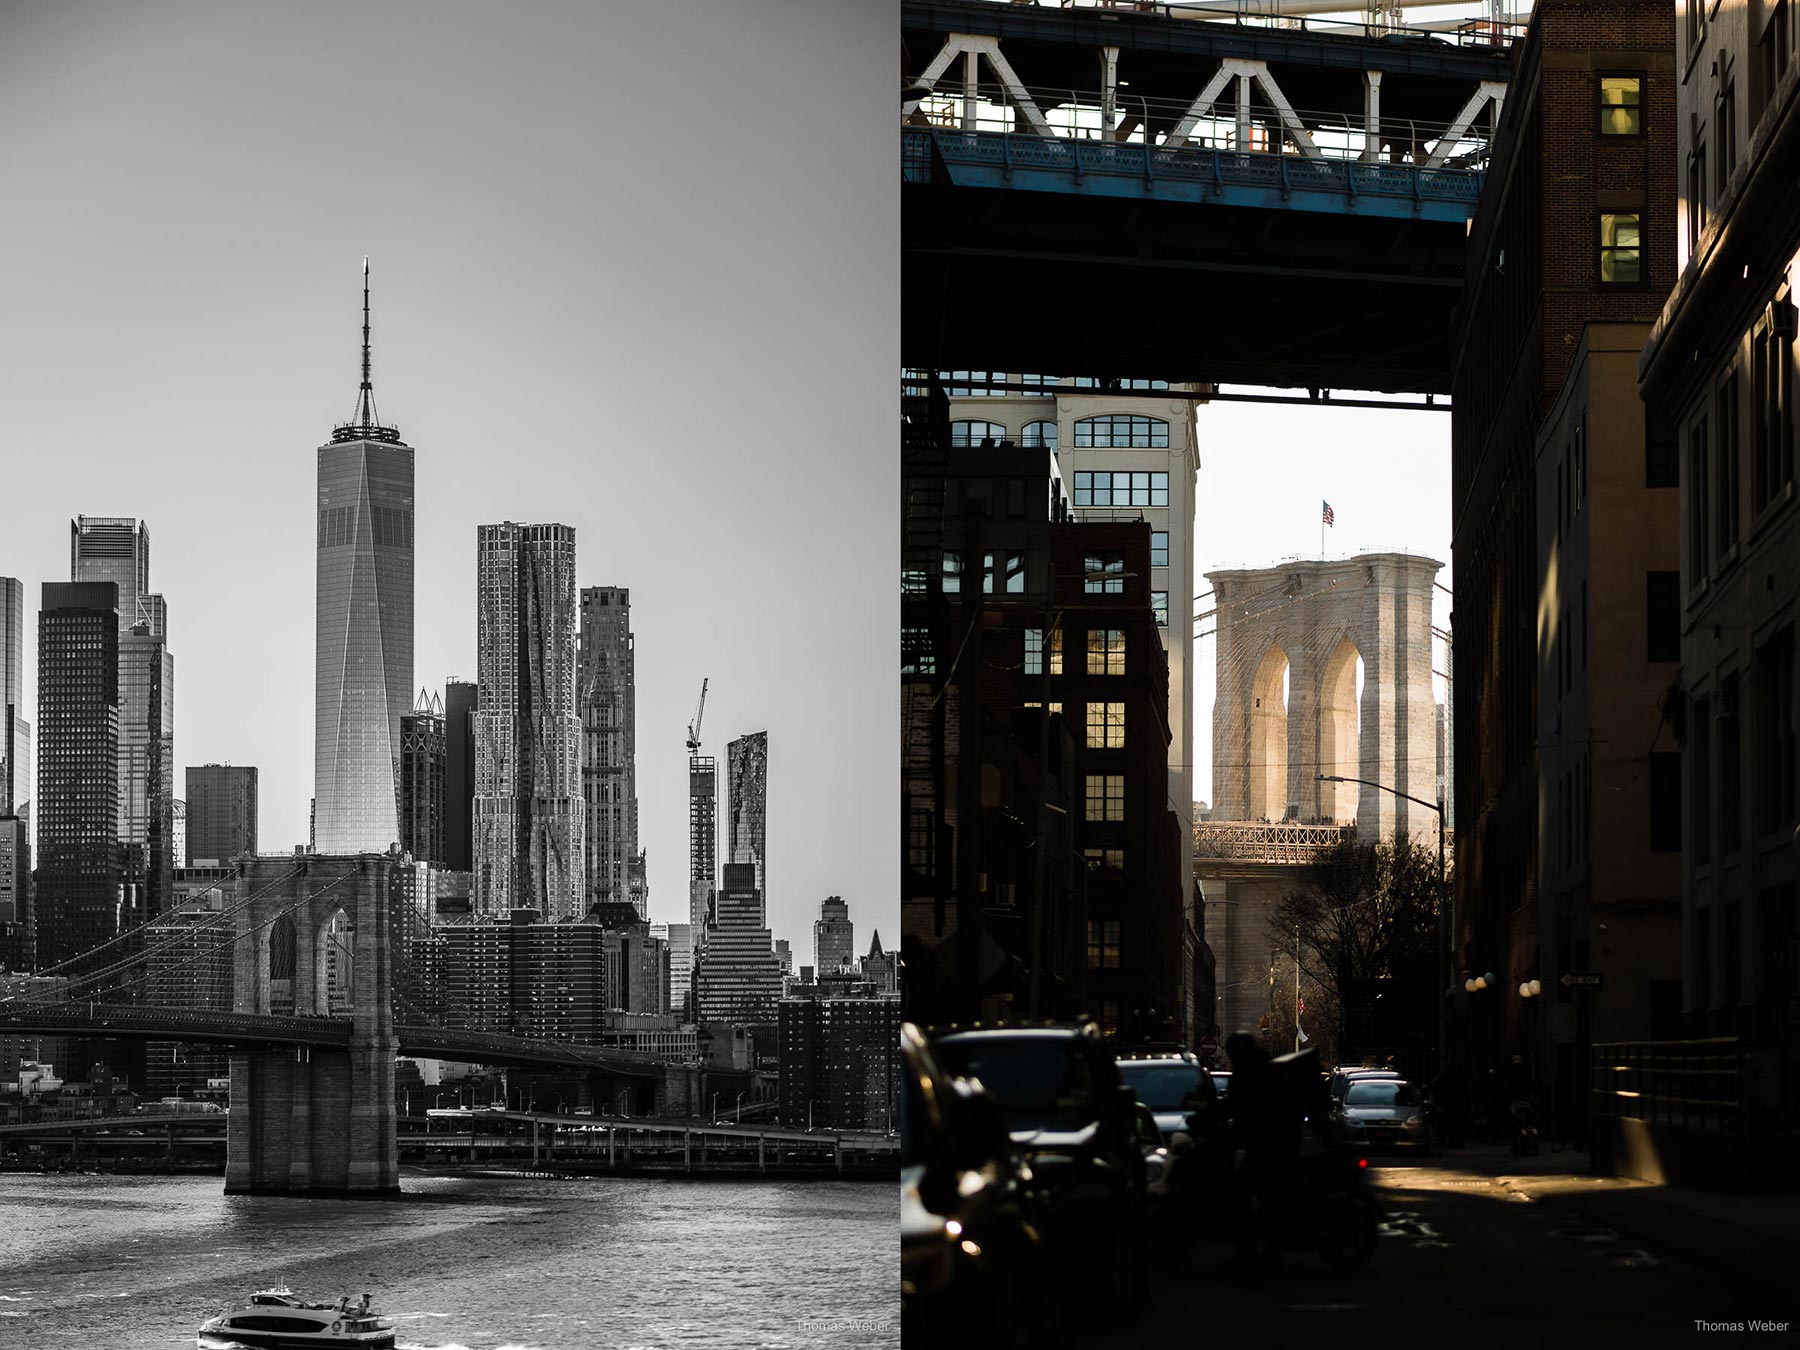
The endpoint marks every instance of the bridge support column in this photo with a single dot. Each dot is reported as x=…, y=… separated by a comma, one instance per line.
x=761, y=1164
x=1109, y=91
x=318, y=1119
x=837, y=1153
x=687, y=1150
x=1243, y=113
x=1371, y=116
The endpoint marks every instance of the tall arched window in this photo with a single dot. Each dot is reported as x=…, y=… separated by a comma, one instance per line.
x=1040, y=434
x=1122, y=431
x=965, y=434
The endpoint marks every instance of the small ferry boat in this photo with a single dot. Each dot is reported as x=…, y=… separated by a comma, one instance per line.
x=278, y=1319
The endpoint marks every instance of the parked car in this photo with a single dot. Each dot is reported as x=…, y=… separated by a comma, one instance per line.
x=1174, y=1086
x=1384, y=1111
x=1075, y=1120
x=973, y=1266
x=1342, y=1077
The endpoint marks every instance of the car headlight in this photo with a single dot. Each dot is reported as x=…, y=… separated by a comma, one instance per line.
x=1412, y=1123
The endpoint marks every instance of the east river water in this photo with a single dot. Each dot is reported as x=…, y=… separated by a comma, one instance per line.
x=481, y=1262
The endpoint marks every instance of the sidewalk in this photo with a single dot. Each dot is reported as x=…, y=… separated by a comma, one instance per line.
x=1751, y=1235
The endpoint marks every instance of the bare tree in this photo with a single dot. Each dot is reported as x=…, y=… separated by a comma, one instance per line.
x=1366, y=916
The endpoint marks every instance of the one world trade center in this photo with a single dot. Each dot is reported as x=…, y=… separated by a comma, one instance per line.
x=364, y=633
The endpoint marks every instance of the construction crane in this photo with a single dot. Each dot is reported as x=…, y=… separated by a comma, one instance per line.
x=693, y=736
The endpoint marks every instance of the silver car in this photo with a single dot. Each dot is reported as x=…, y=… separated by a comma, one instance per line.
x=1384, y=1111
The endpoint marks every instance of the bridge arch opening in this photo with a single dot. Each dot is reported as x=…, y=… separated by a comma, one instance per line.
x=334, y=965
x=1268, y=737
x=282, y=955
x=1340, y=731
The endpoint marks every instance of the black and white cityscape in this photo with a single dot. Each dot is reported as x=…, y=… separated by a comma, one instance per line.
x=347, y=847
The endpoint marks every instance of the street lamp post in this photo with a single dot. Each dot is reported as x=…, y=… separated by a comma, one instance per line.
x=1443, y=946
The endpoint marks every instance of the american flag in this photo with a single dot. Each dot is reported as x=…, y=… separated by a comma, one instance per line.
x=1330, y=516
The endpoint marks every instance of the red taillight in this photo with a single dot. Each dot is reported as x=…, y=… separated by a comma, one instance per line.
x=1362, y=1162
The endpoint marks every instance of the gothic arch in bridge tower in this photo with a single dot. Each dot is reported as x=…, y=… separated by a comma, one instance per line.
x=1321, y=621
x=313, y=942
x=1268, y=767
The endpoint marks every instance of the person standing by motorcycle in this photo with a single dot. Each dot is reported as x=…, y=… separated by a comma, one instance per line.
x=1269, y=1132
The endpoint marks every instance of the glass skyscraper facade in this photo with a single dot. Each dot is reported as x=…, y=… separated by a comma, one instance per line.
x=80, y=871
x=115, y=550
x=530, y=821
x=221, y=813
x=363, y=629
x=703, y=837
x=608, y=710
x=15, y=730
x=747, y=763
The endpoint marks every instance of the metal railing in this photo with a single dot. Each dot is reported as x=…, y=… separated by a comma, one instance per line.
x=1282, y=841
x=1078, y=115
x=1690, y=1085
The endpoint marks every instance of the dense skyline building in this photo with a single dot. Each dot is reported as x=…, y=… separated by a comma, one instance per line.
x=80, y=867
x=838, y=1058
x=15, y=729
x=459, y=774
x=422, y=755
x=747, y=765
x=703, y=835
x=834, y=937
x=363, y=625
x=116, y=550
x=221, y=813
x=608, y=710
x=530, y=820
x=737, y=977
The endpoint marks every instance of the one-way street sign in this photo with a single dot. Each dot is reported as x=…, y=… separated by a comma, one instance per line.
x=1580, y=979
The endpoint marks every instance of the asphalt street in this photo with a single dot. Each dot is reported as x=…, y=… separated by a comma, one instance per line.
x=1476, y=1252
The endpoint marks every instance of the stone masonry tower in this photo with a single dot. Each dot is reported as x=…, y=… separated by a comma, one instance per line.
x=1289, y=638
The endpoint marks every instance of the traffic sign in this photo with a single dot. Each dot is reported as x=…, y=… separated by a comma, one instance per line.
x=1580, y=979
x=1209, y=1044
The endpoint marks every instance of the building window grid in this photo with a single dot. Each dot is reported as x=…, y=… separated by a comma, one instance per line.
x=1621, y=251
x=1034, y=651
x=1106, y=651
x=1772, y=397
x=1106, y=726
x=1621, y=105
x=1725, y=464
x=1159, y=548
x=1122, y=431
x=1105, y=797
x=1103, y=944
x=970, y=433
x=1103, y=574
x=1121, y=488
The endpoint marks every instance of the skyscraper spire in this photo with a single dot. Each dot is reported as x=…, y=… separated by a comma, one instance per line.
x=365, y=426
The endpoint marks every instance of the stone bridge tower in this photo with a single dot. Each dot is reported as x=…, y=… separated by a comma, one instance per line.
x=1302, y=627
x=313, y=941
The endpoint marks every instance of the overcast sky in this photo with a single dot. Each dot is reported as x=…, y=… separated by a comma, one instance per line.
x=1266, y=469
x=635, y=269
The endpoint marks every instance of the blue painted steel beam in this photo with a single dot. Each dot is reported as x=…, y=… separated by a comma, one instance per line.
x=985, y=159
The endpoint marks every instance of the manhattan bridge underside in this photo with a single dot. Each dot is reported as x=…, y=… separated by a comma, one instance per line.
x=1166, y=195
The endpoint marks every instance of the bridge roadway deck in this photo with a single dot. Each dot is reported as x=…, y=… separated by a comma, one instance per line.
x=1050, y=255
x=672, y=1130
x=136, y=1021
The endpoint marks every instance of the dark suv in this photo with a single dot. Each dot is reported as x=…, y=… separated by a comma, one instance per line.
x=1075, y=1120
